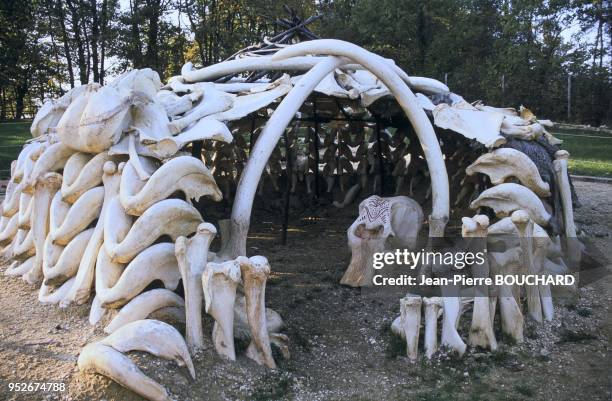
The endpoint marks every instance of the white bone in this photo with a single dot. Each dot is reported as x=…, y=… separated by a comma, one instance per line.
x=82, y=213
x=192, y=255
x=105, y=360
x=524, y=225
x=47, y=296
x=450, y=317
x=507, y=162
x=255, y=271
x=509, y=197
x=410, y=310
x=66, y=264
x=135, y=159
x=10, y=230
x=206, y=128
x=116, y=285
x=560, y=167
x=219, y=283
x=19, y=269
x=81, y=173
x=432, y=312
x=399, y=215
x=172, y=217
x=80, y=291
x=152, y=336
x=473, y=124
x=143, y=305
x=212, y=102
x=481, y=330
x=52, y=159
x=150, y=121
x=45, y=189
x=185, y=173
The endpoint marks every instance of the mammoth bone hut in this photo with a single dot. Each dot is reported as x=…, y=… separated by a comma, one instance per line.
x=107, y=196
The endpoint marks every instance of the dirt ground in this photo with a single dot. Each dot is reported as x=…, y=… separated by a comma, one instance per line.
x=341, y=344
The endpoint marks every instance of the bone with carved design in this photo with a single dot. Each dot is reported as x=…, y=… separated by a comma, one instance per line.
x=379, y=218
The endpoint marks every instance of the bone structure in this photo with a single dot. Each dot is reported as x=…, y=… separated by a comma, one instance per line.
x=101, y=203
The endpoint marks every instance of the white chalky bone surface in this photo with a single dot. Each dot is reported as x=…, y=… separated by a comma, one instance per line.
x=524, y=225
x=172, y=217
x=152, y=336
x=192, y=254
x=117, y=284
x=481, y=330
x=500, y=164
x=80, y=215
x=61, y=263
x=81, y=289
x=508, y=197
x=143, y=305
x=255, y=271
x=184, y=173
x=81, y=173
x=432, y=311
x=219, y=283
x=46, y=187
x=410, y=312
x=107, y=361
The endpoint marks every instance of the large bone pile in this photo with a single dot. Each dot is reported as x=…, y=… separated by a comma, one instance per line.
x=99, y=203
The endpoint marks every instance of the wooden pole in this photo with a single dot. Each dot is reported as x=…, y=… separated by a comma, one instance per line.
x=380, y=160
x=196, y=149
x=316, y=146
x=288, y=170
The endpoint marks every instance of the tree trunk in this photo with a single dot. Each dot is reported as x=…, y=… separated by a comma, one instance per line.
x=95, y=32
x=61, y=16
x=76, y=29
x=103, y=38
x=135, y=33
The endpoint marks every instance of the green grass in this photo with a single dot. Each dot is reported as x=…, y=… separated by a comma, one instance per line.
x=12, y=137
x=590, y=150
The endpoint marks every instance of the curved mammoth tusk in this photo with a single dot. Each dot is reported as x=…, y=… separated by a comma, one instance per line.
x=53, y=159
x=172, y=217
x=81, y=173
x=507, y=162
x=67, y=264
x=143, y=305
x=213, y=101
x=152, y=336
x=25, y=210
x=116, y=285
x=23, y=245
x=105, y=360
x=206, y=128
x=19, y=269
x=219, y=282
x=6, y=236
x=82, y=213
x=184, y=173
x=45, y=189
x=81, y=290
x=509, y=197
x=46, y=295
